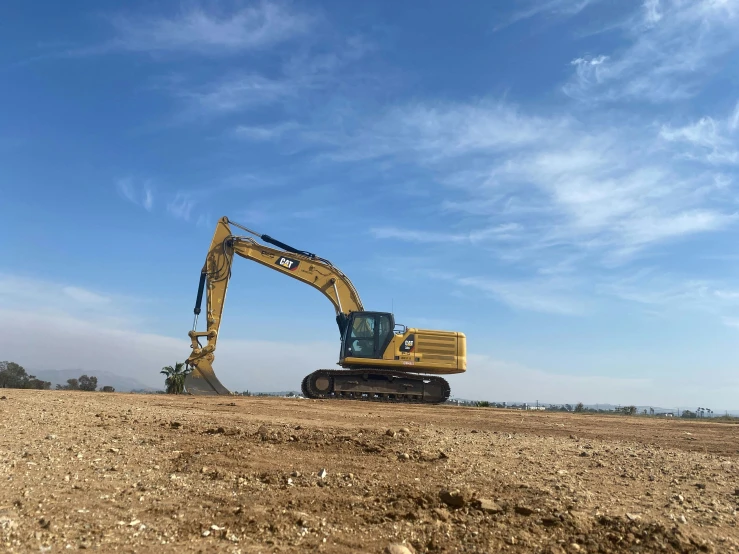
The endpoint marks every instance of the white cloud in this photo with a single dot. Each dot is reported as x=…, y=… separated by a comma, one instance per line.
x=590, y=185
x=554, y=296
x=505, y=231
x=670, y=294
x=549, y=8
x=673, y=46
x=731, y=322
x=85, y=296
x=708, y=140
x=53, y=299
x=265, y=133
x=140, y=194
x=207, y=30
x=236, y=93
x=734, y=119
x=551, y=294
x=182, y=205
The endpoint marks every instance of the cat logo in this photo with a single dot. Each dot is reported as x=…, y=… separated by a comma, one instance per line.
x=407, y=345
x=288, y=263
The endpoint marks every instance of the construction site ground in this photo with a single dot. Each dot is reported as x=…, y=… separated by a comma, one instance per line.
x=160, y=473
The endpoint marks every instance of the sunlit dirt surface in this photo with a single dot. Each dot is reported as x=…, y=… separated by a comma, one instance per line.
x=157, y=473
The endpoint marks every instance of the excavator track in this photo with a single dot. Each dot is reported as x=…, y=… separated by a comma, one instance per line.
x=376, y=386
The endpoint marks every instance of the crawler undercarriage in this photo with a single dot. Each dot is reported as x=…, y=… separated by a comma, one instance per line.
x=375, y=385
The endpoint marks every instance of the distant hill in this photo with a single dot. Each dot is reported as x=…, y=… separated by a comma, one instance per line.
x=105, y=378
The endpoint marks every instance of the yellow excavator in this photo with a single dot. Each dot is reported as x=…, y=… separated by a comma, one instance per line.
x=381, y=361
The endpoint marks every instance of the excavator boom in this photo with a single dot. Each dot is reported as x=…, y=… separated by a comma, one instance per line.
x=214, y=278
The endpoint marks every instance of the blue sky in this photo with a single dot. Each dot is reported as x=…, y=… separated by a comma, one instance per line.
x=556, y=179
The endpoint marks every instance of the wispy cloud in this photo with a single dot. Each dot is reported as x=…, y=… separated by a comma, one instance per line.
x=304, y=73
x=182, y=205
x=709, y=140
x=673, y=45
x=236, y=93
x=265, y=133
x=548, y=8
x=140, y=194
x=206, y=29
x=554, y=296
x=593, y=185
x=505, y=231
x=23, y=292
x=668, y=293
x=548, y=294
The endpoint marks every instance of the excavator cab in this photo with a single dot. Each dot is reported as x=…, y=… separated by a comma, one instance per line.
x=367, y=334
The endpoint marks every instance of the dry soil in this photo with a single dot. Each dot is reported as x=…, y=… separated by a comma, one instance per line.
x=157, y=473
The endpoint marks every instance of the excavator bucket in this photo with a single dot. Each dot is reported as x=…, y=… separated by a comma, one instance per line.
x=203, y=381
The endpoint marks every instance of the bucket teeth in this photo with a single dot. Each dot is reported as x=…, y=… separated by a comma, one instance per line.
x=202, y=381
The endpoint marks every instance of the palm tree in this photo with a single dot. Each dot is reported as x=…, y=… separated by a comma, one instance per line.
x=175, y=381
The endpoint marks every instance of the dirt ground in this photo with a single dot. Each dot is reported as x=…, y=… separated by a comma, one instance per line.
x=155, y=473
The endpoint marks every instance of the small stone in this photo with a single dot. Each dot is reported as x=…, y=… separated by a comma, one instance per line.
x=399, y=549
x=404, y=456
x=489, y=506
x=206, y=533
x=523, y=510
x=50, y=437
x=576, y=547
x=453, y=498
x=322, y=474
x=442, y=455
x=441, y=513
x=205, y=469
x=295, y=474
x=175, y=425
x=84, y=545
x=390, y=433
x=289, y=480
x=3, y=397
x=44, y=522
x=700, y=486
x=114, y=450
x=633, y=517
x=584, y=454
x=216, y=528
x=404, y=430
x=263, y=432
x=134, y=523
x=682, y=519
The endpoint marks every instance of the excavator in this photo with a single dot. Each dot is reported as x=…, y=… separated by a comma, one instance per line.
x=381, y=361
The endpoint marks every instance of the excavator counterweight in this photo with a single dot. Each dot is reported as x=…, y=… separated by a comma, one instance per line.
x=379, y=362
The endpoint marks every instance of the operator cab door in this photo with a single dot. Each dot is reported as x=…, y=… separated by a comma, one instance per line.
x=367, y=335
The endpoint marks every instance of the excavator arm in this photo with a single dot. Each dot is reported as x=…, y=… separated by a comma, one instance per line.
x=214, y=278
